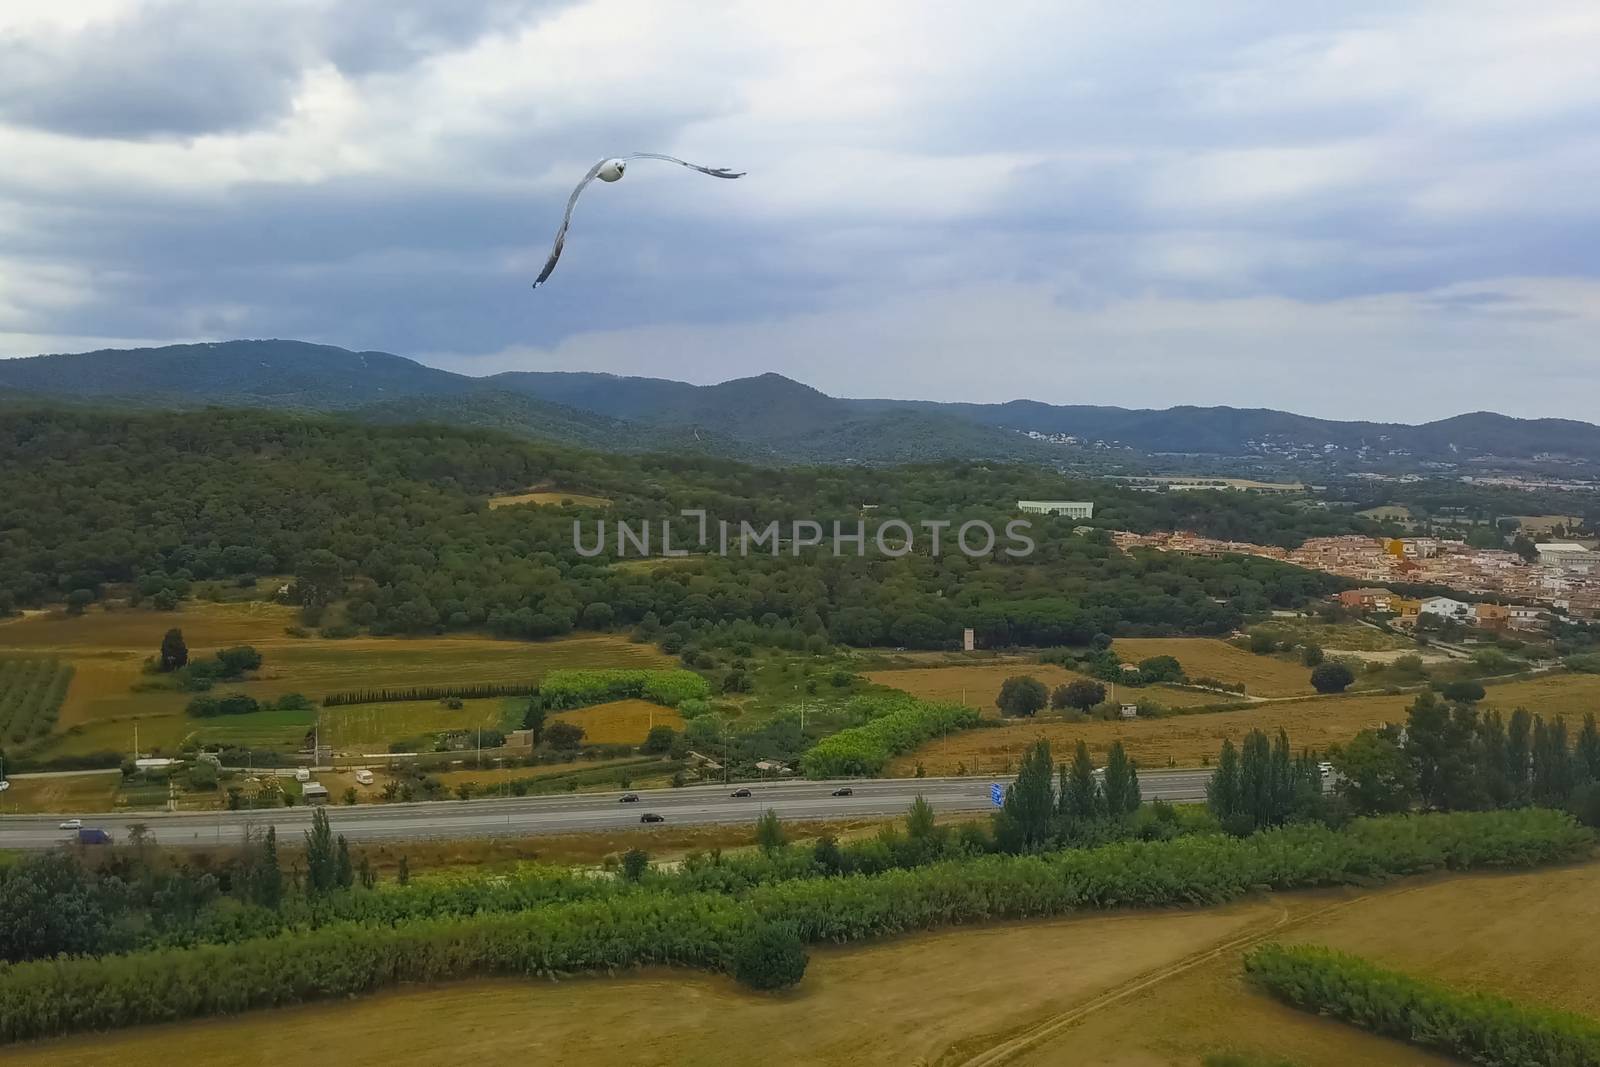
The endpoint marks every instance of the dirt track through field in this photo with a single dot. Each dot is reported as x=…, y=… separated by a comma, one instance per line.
x=1012, y=1047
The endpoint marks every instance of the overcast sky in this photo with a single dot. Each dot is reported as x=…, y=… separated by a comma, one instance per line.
x=1383, y=210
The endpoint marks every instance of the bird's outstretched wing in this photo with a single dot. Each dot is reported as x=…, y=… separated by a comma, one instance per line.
x=566, y=220
x=715, y=172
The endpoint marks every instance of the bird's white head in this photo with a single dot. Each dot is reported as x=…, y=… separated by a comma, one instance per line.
x=611, y=170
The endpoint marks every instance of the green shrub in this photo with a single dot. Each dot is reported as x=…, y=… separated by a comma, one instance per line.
x=635, y=862
x=1586, y=662
x=232, y=704
x=1475, y=1027
x=1332, y=678
x=769, y=955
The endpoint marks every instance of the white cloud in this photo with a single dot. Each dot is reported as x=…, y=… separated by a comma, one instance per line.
x=1082, y=200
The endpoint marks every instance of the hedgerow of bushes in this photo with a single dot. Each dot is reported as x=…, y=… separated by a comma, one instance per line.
x=646, y=926
x=1186, y=870
x=475, y=691
x=52, y=997
x=1475, y=1027
x=894, y=725
x=579, y=688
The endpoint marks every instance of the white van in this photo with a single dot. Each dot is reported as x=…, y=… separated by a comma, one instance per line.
x=363, y=777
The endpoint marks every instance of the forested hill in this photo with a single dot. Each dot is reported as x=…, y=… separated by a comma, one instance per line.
x=390, y=526
x=767, y=416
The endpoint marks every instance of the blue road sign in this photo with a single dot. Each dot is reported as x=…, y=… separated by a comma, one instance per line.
x=997, y=794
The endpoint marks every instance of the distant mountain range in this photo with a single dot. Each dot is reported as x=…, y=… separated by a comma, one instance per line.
x=763, y=417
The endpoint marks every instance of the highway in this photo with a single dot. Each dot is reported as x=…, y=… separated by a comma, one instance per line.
x=531, y=816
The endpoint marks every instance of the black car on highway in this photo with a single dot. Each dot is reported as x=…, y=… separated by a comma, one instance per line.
x=628, y=798
x=844, y=791
x=651, y=816
x=740, y=793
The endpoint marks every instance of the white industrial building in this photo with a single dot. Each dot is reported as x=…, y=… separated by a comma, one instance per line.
x=1072, y=509
x=1570, y=557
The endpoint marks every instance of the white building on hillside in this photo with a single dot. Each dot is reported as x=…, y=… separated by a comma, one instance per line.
x=1072, y=509
x=1446, y=608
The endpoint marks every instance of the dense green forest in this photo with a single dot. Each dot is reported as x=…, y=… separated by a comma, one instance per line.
x=393, y=523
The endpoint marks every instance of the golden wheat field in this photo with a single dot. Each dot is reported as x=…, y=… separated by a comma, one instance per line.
x=1206, y=657
x=1176, y=740
x=1187, y=740
x=620, y=722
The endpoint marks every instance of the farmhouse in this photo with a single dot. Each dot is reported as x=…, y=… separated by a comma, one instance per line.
x=1072, y=509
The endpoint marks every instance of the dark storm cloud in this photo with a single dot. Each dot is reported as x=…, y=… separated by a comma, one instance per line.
x=191, y=67
x=163, y=71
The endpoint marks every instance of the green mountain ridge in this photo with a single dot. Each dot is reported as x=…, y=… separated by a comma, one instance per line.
x=767, y=416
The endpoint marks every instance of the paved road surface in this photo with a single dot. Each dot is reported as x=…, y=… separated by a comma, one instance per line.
x=528, y=816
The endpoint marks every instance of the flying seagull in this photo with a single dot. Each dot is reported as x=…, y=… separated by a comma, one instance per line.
x=610, y=170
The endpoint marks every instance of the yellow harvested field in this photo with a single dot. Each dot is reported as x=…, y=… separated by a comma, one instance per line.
x=1543, y=524
x=1508, y=934
x=1186, y=740
x=206, y=627
x=1177, y=740
x=1124, y=989
x=1571, y=695
x=73, y=793
x=108, y=649
x=1207, y=657
x=509, y=500
x=979, y=685
x=621, y=722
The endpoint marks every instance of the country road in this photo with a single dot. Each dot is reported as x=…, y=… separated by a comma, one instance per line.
x=529, y=816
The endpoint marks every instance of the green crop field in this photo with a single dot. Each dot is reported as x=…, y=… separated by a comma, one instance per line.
x=31, y=694
x=367, y=727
